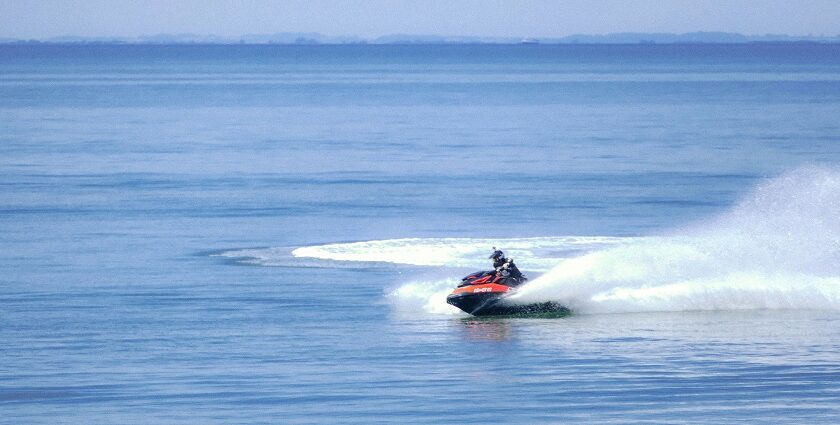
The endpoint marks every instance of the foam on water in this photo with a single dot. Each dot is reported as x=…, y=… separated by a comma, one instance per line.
x=779, y=248
x=532, y=254
x=424, y=296
x=538, y=254
x=428, y=294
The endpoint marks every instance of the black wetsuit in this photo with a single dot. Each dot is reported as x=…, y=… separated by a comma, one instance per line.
x=509, y=273
x=499, y=262
x=514, y=271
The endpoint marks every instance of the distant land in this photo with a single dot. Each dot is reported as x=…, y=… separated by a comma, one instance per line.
x=316, y=38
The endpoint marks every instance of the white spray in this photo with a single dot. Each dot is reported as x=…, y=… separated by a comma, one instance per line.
x=779, y=248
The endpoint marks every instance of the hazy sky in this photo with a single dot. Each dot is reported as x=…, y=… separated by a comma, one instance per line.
x=371, y=18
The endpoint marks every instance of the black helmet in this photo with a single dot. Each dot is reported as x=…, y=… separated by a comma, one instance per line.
x=497, y=253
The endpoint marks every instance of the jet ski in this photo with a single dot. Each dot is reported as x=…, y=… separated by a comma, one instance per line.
x=486, y=293
x=482, y=293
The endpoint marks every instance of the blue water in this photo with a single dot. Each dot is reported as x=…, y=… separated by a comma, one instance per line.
x=264, y=234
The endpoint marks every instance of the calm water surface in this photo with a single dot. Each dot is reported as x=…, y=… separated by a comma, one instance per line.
x=152, y=199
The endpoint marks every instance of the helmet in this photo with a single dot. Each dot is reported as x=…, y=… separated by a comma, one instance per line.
x=497, y=254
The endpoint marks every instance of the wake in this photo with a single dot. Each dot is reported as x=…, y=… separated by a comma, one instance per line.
x=778, y=249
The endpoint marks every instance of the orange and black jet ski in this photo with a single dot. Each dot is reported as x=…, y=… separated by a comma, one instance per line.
x=482, y=293
x=485, y=294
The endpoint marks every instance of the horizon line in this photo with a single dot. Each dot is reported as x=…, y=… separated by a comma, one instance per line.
x=716, y=37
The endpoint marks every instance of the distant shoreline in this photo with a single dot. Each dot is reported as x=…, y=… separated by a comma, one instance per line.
x=643, y=43
x=296, y=39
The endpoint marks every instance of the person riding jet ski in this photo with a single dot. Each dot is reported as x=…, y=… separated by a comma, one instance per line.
x=498, y=258
x=486, y=292
x=509, y=271
x=506, y=270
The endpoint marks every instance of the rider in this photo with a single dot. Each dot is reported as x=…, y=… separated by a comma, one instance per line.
x=505, y=267
x=509, y=270
x=498, y=258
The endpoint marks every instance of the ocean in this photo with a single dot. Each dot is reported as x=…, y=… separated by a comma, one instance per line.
x=266, y=234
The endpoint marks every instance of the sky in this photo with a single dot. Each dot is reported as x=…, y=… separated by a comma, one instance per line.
x=41, y=19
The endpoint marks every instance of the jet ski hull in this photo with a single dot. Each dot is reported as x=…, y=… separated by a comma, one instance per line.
x=477, y=304
x=490, y=300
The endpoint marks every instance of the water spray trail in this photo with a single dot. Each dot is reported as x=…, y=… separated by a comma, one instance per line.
x=779, y=248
